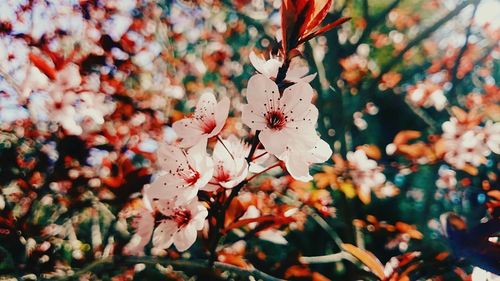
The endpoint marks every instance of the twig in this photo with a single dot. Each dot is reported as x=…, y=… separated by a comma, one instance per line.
x=371, y=23
x=324, y=224
x=424, y=34
x=195, y=265
x=327, y=258
x=224, y=145
x=454, y=70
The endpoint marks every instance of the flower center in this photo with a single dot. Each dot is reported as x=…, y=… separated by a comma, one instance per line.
x=208, y=125
x=182, y=217
x=275, y=120
x=192, y=178
x=221, y=175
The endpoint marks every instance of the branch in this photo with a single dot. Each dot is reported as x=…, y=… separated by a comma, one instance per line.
x=454, y=70
x=423, y=35
x=371, y=23
x=194, y=265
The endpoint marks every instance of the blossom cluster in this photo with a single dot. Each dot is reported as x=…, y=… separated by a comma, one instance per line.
x=283, y=120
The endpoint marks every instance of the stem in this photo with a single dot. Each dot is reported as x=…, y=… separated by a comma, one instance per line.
x=263, y=171
x=191, y=265
x=260, y=155
x=453, y=73
x=224, y=145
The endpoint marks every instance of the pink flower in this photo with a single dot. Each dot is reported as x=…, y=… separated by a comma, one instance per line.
x=230, y=165
x=208, y=120
x=297, y=162
x=365, y=174
x=269, y=68
x=285, y=122
x=464, y=145
x=182, y=174
x=178, y=224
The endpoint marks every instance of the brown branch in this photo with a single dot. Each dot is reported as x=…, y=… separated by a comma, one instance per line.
x=191, y=265
x=454, y=70
x=371, y=23
x=423, y=35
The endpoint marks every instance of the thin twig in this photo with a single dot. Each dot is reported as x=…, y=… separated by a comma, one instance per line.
x=456, y=66
x=194, y=265
x=224, y=145
x=371, y=24
x=423, y=35
x=263, y=171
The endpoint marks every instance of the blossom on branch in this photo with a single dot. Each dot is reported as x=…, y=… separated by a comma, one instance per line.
x=230, y=165
x=182, y=173
x=208, y=120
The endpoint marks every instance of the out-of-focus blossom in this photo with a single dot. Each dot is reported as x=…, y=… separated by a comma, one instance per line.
x=365, y=174
x=465, y=145
x=208, y=120
x=428, y=95
x=447, y=178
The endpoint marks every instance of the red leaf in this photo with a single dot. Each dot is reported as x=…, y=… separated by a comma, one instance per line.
x=44, y=67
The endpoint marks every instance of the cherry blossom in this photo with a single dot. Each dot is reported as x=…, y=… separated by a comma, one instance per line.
x=447, y=178
x=182, y=173
x=178, y=224
x=230, y=165
x=269, y=68
x=297, y=162
x=365, y=173
x=208, y=120
x=285, y=122
x=492, y=136
x=464, y=145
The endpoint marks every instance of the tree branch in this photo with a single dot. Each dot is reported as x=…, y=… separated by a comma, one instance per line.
x=454, y=70
x=371, y=23
x=423, y=35
x=194, y=265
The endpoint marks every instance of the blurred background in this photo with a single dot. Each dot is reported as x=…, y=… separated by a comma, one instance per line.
x=89, y=88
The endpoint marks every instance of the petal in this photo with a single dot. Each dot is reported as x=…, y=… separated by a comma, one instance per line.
x=269, y=67
x=296, y=99
x=165, y=206
x=321, y=152
x=262, y=93
x=206, y=105
x=297, y=166
x=164, y=186
x=250, y=118
x=187, y=128
x=200, y=214
x=221, y=113
x=163, y=234
x=274, y=141
x=171, y=157
x=185, y=238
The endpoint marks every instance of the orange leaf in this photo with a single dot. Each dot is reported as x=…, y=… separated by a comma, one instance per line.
x=495, y=194
x=371, y=151
x=470, y=169
x=404, y=137
x=366, y=258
